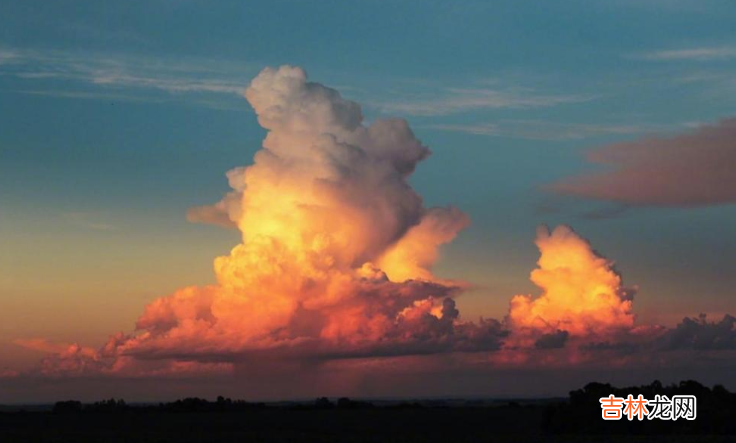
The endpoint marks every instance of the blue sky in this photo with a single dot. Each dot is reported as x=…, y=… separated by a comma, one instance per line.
x=119, y=116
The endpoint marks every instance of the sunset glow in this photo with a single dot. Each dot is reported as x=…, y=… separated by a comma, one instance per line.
x=336, y=262
x=296, y=200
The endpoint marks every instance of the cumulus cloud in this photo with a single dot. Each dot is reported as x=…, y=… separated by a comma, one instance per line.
x=335, y=263
x=552, y=340
x=692, y=169
x=227, y=211
x=582, y=294
x=698, y=333
x=336, y=252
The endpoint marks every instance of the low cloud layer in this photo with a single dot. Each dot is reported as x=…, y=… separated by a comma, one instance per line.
x=694, y=169
x=699, y=333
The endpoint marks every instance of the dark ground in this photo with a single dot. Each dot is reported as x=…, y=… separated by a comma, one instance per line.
x=576, y=419
x=500, y=424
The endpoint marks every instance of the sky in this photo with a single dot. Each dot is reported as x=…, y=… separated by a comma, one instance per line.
x=612, y=117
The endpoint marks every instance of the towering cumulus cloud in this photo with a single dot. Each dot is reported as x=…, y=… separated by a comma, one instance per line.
x=336, y=246
x=336, y=250
x=582, y=295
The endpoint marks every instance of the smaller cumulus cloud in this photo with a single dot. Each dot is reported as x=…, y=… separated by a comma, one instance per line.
x=693, y=169
x=582, y=295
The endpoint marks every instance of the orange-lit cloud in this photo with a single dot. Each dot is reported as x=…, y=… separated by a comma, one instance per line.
x=582, y=295
x=337, y=248
x=335, y=262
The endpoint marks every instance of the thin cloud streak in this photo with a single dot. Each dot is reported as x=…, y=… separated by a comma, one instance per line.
x=223, y=78
x=691, y=54
x=458, y=100
x=542, y=130
x=87, y=95
x=122, y=72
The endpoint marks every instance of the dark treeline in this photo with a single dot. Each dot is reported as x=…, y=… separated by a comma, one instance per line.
x=581, y=414
x=196, y=420
x=191, y=404
x=582, y=406
x=222, y=404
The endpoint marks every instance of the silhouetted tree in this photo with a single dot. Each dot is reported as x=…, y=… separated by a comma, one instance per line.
x=67, y=406
x=323, y=403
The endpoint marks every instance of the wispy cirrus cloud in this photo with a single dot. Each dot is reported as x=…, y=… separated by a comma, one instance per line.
x=715, y=84
x=93, y=95
x=703, y=53
x=545, y=130
x=457, y=100
x=139, y=77
x=7, y=55
x=127, y=75
x=169, y=84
